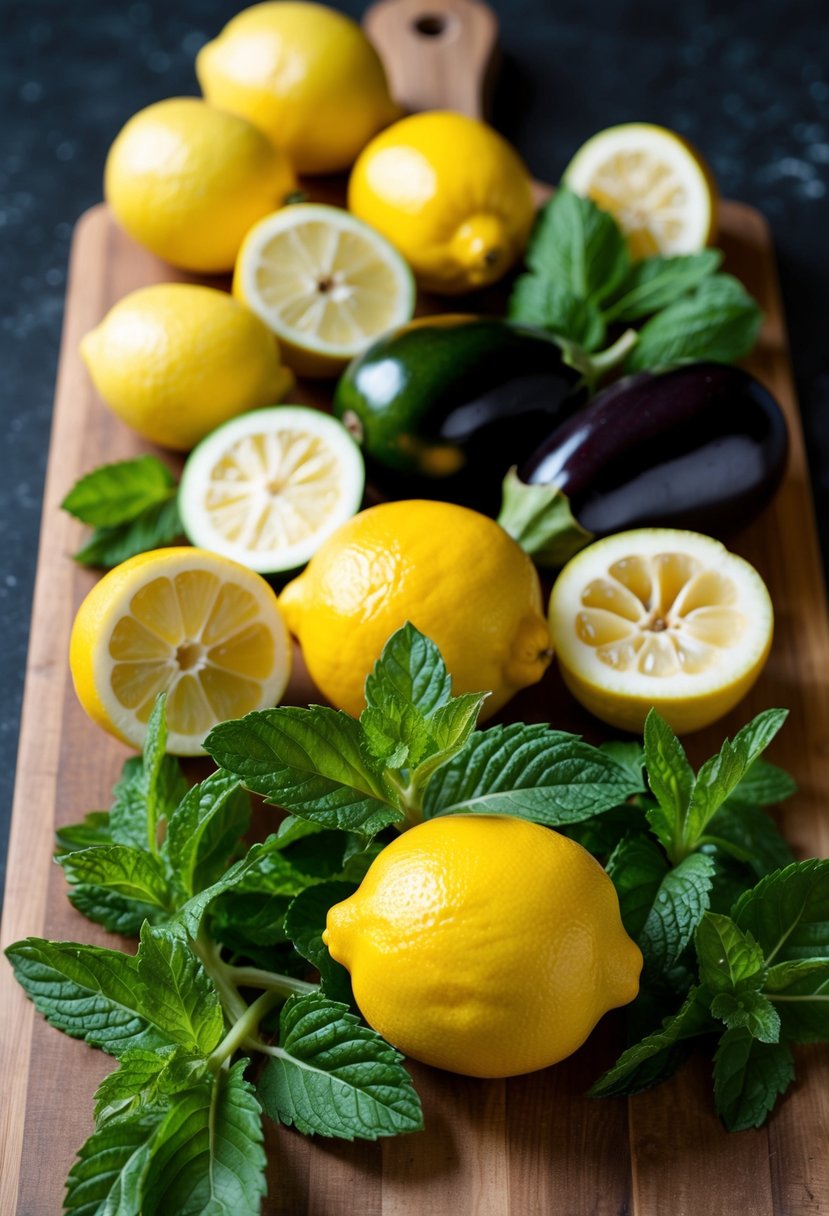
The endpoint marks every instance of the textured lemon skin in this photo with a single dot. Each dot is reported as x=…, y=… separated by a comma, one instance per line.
x=452, y=196
x=485, y=945
x=455, y=574
x=174, y=361
x=186, y=181
x=109, y=598
x=685, y=708
x=306, y=76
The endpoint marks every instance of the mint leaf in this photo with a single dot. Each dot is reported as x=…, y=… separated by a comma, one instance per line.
x=630, y=756
x=748, y=1009
x=410, y=671
x=191, y=914
x=788, y=912
x=142, y=1080
x=763, y=785
x=656, y=282
x=205, y=830
x=209, y=1155
x=536, y=773
x=748, y=1078
x=117, y=493
x=547, y=303
x=636, y=868
x=749, y=834
x=333, y=1076
x=648, y=1062
x=670, y=778
x=679, y=906
x=89, y=993
x=155, y=527
x=800, y=994
x=108, y=1176
x=120, y=869
x=728, y=958
x=578, y=245
x=310, y=762
x=150, y=788
x=93, y=830
x=115, y=912
x=185, y=1002
x=719, y=321
x=304, y=923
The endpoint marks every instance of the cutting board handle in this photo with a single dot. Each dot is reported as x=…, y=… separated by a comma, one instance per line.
x=438, y=54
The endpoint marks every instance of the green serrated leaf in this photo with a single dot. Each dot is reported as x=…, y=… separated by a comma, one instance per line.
x=121, y=870
x=205, y=830
x=547, y=303
x=410, y=671
x=142, y=1080
x=719, y=321
x=749, y=1076
x=764, y=784
x=656, y=282
x=729, y=959
x=90, y=993
x=93, y=830
x=788, y=912
x=109, y=1174
x=209, y=1158
x=333, y=1076
x=670, y=778
x=536, y=773
x=636, y=867
x=648, y=1062
x=117, y=493
x=578, y=245
x=677, y=909
x=185, y=1002
x=799, y=991
x=129, y=822
x=748, y=1009
x=310, y=762
x=191, y=914
x=630, y=756
x=304, y=924
x=751, y=835
x=114, y=912
x=154, y=528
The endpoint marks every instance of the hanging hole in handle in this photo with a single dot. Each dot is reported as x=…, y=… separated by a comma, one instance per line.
x=433, y=25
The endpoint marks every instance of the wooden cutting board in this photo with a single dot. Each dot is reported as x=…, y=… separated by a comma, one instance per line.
x=532, y=1145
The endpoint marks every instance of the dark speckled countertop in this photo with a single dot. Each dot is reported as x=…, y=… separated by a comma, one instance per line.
x=747, y=82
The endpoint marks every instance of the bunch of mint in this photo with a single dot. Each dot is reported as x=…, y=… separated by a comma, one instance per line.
x=581, y=283
x=228, y=934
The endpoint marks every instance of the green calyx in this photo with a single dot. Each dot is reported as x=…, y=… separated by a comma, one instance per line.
x=540, y=520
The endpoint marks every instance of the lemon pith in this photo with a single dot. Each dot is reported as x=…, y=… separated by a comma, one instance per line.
x=205, y=630
x=455, y=574
x=267, y=488
x=324, y=283
x=656, y=186
x=660, y=617
x=485, y=945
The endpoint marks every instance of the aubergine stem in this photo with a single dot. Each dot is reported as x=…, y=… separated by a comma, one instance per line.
x=539, y=519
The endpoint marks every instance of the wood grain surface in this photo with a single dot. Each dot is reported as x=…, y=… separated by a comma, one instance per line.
x=530, y=1146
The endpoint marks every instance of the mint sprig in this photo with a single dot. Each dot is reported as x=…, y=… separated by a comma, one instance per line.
x=581, y=283
x=132, y=505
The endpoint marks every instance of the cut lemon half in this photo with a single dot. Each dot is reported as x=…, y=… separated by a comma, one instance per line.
x=659, y=190
x=267, y=488
x=664, y=618
x=205, y=630
x=326, y=283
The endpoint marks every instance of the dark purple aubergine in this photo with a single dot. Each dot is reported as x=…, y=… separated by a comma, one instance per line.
x=703, y=446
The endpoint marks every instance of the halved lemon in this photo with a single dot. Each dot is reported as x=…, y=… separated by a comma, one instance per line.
x=267, y=488
x=660, y=617
x=326, y=283
x=657, y=187
x=203, y=629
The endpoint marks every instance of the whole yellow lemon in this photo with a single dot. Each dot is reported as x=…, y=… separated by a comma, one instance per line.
x=175, y=360
x=485, y=945
x=452, y=196
x=305, y=75
x=455, y=574
x=187, y=181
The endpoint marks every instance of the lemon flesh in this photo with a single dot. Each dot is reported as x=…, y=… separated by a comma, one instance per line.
x=205, y=630
x=485, y=945
x=664, y=618
x=657, y=187
x=267, y=488
x=326, y=285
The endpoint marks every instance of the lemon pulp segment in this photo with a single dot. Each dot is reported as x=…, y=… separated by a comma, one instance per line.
x=267, y=488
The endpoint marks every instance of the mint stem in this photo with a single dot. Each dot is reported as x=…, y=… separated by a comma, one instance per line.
x=243, y=1028
x=208, y=952
x=273, y=981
